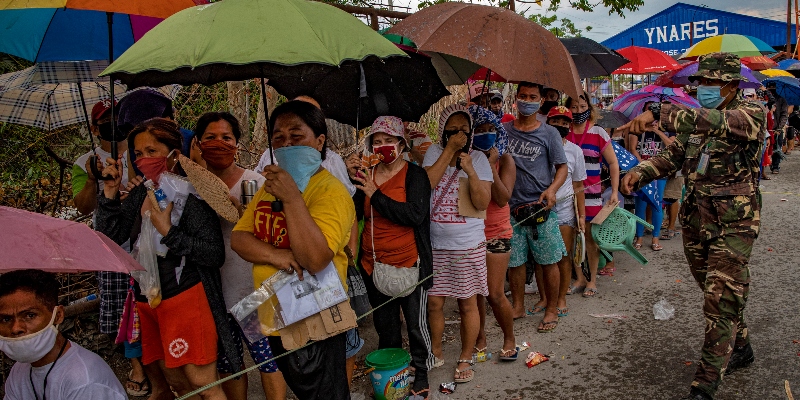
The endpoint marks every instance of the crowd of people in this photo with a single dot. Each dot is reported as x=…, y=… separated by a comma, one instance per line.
x=495, y=199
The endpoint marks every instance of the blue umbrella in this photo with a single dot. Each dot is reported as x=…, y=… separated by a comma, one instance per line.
x=626, y=161
x=789, y=65
x=788, y=88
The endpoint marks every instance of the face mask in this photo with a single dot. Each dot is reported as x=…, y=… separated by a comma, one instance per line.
x=105, y=133
x=467, y=147
x=153, y=167
x=547, y=106
x=581, y=117
x=562, y=130
x=31, y=348
x=218, y=154
x=527, y=108
x=301, y=162
x=388, y=153
x=709, y=96
x=484, y=141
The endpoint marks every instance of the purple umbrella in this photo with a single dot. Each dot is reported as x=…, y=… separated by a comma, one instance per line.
x=680, y=77
x=632, y=102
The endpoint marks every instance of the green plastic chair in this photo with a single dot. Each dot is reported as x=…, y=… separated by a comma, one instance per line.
x=618, y=232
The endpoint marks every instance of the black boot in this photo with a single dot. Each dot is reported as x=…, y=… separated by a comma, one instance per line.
x=697, y=394
x=741, y=358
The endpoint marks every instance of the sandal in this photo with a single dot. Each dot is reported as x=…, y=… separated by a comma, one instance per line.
x=536, y=310
x=461, y=371
x=562, y=312
x=509, y=355
x=606, y=271
x=576, y=289
x=656, y=247
x=437, y=362
x=669, y=234
x=547, y=327
x=637, y=246
x=590, y=292
x=418, y=395
x=142, y=387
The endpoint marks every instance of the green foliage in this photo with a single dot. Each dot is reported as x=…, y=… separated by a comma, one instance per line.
x=566, y=28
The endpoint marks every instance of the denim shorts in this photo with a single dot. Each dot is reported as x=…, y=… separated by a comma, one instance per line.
x=353, y=343
x=547, y=249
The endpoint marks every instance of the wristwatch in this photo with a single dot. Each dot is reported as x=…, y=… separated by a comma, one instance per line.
x=655, y=108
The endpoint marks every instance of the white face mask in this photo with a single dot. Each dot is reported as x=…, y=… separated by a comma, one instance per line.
x=31, y=348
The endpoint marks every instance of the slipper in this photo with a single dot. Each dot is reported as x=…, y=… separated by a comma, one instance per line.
x=536, y=310
x=421, y=395
x=590, y=292
x=656, y=247
x=669, y=234
x=461, y=371
x=637, y=246
x=576, y=289
x=437, y=362
x=607, y=271
x=547, y=327
x=504, y=354
x=563, y=312
x=142, y=387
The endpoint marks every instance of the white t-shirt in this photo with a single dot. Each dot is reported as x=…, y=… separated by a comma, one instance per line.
x=79, y=374
x=576, y=171
x=81, y=162
x=449, y=229
x=333, y=163
x=236, y=273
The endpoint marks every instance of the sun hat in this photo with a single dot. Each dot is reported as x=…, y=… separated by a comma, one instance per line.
x=392, y=126
x=722, y=66
x=210, y=188
x=447, y=113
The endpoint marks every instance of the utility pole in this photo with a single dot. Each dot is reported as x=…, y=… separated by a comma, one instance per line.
x=796, y=27
x=789, y=26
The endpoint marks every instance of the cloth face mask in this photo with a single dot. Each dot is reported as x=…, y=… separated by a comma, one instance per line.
x=528, y=108
x=219, y=154
x=301, y=162
x=31, y=348
x=484, y=141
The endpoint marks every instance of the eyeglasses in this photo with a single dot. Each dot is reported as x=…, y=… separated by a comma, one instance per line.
x=453, y=132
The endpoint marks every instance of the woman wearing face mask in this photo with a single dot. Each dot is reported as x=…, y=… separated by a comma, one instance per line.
x=179, y=335
x=395, y=196
x=303, y=234
x=461, y=273
x=594, y=142
x=215, y=145
x=487, y=139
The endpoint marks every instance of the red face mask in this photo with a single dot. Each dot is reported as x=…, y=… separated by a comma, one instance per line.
x=218, y=154
x=152, y=167
x=388, y=153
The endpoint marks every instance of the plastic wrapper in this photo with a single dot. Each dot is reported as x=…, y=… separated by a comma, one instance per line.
x=662, y=310
x=149, y=280
x=246, y=310
x=176, y=189
x=447, y=387
x=535, y=358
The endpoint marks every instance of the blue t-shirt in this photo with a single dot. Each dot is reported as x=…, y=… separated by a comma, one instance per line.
x=536, y=153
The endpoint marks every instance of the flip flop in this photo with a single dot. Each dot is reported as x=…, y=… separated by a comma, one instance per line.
x=437, y=362
x=656, y=247
x=544, y=326
x=576, y=289
x=562, y=312
x=461, y=371
x=637, y=246
x=591, y=292
x=536, y=310
x=143, y=387
x=419, y=395
x=513, y=357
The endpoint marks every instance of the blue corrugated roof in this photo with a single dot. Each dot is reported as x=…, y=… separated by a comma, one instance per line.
x=670, y=29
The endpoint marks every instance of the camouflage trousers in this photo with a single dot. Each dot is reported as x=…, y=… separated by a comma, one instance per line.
x=720, y=267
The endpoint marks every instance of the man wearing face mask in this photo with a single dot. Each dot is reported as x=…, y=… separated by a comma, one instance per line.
x=550, y=98
x=48, y=366
x=718, y=148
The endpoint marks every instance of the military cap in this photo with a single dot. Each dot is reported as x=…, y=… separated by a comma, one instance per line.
x=722, y=66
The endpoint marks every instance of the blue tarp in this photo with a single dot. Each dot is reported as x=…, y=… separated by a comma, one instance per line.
x=671, y=30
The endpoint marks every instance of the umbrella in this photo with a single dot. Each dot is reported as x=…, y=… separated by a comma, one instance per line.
x=626, y=161
x=630, y=103
x=492, y=37
x=791, y=66
x=680, y=78
x=645, y=60
x=759, y=63
x=38, y=241
x=612, y=119
x=776, y=72
x=741, y=45
x=788, y=88
x=592, y=58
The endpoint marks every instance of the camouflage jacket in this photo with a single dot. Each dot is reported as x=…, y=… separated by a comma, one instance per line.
x=726, y=195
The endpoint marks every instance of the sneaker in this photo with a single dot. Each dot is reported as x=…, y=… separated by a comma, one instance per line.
x=741, y=358
x=530, y=288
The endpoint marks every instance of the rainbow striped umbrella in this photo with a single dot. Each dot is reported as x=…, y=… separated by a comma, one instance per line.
x=741, y=45
x=631, y=103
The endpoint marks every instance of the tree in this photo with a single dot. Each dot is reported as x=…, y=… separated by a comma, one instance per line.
x=566, y=28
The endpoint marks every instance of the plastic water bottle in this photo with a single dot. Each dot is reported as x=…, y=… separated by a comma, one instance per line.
x=481, y=356
x=84, y=300
x=161, y=198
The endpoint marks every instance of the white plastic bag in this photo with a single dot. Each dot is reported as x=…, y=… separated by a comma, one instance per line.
x=149, y=280
x=663, y=310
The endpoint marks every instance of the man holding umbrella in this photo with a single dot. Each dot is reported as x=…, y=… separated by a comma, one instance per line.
x=718, y=148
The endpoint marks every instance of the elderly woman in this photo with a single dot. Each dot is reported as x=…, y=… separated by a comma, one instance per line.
x=395, y=196
x=456, y=228
x=179, y=335
x=306, y=234
x=490, y=138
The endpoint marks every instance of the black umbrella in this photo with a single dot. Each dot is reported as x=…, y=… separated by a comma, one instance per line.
x=592, y=58
x=612, y=119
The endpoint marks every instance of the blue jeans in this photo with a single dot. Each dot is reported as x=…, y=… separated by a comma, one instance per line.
x=658, y=214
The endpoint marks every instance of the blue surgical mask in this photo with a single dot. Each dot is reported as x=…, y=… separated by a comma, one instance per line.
x=709, y=96
x=301, y=162
x=528, y=108
x=484, y=141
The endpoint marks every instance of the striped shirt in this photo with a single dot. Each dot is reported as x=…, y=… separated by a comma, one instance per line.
x=592, y=142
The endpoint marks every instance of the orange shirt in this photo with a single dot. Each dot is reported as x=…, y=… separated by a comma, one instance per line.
x=394, y=244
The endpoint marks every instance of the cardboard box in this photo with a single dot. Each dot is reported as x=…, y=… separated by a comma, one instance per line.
x=328, y=323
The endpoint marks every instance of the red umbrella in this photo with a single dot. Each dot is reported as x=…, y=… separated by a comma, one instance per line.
x=33, y=240
x=759, y=63
x=645, y=60
x=480, y=75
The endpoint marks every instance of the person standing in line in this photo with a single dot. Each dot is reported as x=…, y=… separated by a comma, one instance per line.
x=781, y=116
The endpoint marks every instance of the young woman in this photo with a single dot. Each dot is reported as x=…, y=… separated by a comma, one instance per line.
x=460, y=272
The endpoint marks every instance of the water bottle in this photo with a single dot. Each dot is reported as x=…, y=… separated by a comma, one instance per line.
x=84, y=300
x=161, y=198
x=249, y=189
x=481, y=356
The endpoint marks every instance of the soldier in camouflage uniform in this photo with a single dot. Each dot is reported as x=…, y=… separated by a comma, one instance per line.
x=717, y=148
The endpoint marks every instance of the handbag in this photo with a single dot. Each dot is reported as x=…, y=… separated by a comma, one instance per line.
x=388, y=279
x=128, y=330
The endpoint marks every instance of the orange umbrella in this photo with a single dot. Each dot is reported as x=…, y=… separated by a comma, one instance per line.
x=759, y=63
x=148, y=8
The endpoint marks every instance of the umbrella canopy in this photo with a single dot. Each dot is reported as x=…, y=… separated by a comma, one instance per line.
x=645, y=60
x=788, y=88
x=680, y=78
x=759, y=63
x=38, y=241
x=244, y=39
x=149, y=8
x=741, y=45
x=789, y=65
x=592, y=58
x=626, y=161
x=776, y=72
x=496, y=38
x=612, y=119
x=29, y=97
x=631, y=103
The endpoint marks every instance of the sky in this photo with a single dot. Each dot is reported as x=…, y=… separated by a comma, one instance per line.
x=605, y=26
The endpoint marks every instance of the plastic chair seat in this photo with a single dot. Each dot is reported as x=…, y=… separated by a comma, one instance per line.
x=617, y=233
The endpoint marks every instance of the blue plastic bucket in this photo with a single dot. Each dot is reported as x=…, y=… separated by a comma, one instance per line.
x=390, y=377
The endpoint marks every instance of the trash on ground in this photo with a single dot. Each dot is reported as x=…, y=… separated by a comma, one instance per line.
x=663, y=310
x=784, y=200
x=535, y=358
x=687, y=363
x=614, y=316
x=523, y=346
x=447, y=387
